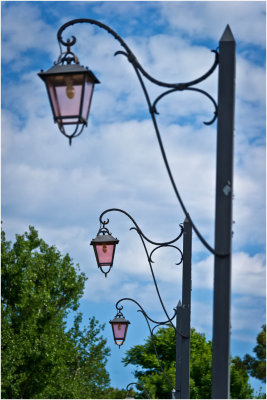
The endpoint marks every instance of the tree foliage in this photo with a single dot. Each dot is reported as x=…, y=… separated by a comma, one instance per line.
x=256, y=366
x=150, y=376
x=114, y=393
x=40, y=357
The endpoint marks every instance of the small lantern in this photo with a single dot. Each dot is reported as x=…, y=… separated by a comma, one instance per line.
x=119, y=327
x=70, y=89
x=104, y=246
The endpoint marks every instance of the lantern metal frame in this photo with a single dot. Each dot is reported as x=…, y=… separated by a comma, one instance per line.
x=104, y=237
x=119, y=319
x=68, y=65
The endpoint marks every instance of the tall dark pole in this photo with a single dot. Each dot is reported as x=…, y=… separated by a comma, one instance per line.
x=182, y=388
x=223, y=218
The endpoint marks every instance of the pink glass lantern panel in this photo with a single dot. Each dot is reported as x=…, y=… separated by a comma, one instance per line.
x=88, y=92
x=105, y=253
x=65, y=93
x=119, y=331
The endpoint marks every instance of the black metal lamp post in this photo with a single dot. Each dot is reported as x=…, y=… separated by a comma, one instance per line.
x=65, y=86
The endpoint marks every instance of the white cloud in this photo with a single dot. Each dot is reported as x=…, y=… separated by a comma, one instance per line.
x=16, y=40
x=250, y=82
x=249, y=274
x=246, y=18
x=249, y=200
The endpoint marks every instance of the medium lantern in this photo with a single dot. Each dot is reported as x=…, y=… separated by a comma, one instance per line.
x=70, y=88
x=104, y=246
x=119, y=328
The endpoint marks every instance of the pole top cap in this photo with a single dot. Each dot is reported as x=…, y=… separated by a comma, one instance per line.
x=227, y=35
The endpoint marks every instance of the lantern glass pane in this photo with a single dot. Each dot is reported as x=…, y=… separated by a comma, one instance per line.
x=88, y=91
x=65, y=93
x=105, y=253
x=119, y=330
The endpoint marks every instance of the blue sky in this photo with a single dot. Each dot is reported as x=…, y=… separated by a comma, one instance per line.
x=116, y=162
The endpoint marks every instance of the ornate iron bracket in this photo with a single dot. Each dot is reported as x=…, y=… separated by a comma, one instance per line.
x=138, y=67
x=147, y=318
x=174, y=86
x=140, y=71
x=157, y=244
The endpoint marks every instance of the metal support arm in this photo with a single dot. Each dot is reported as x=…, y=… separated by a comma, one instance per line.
x=158, y=244
x=140, y=72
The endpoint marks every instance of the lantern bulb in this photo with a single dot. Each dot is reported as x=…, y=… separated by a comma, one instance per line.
x=70, y=91
x=119, y=327
x=104, y=248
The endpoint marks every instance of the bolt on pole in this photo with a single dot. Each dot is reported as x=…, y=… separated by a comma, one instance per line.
x=223, y=218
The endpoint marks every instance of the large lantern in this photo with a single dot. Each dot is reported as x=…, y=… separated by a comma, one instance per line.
x=104, y=246
x=119, y=328
x=70, y=88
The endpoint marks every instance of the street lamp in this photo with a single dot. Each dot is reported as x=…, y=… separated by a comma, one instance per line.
x=119, y=327
x=104, y=245
x=182, y=311
x=223, y=112
x=70, y=88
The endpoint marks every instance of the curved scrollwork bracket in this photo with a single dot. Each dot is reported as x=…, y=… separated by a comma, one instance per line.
x=168, y=245
x=140, y=72
x=158, y=323
x=179, y=86
x=140, y=385
x=154, y=109
x=133, y=60
x=175, y=86
x=143, y=239
x=138, y=229
x=147, y=318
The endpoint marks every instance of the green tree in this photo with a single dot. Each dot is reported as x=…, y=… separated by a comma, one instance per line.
x=113, y=393
x=256, y=366
x=40, y=357
x=149, y=373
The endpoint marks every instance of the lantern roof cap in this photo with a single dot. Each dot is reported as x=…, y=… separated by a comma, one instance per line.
x=68, y=69
x=104, y=239
x=119, y=319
